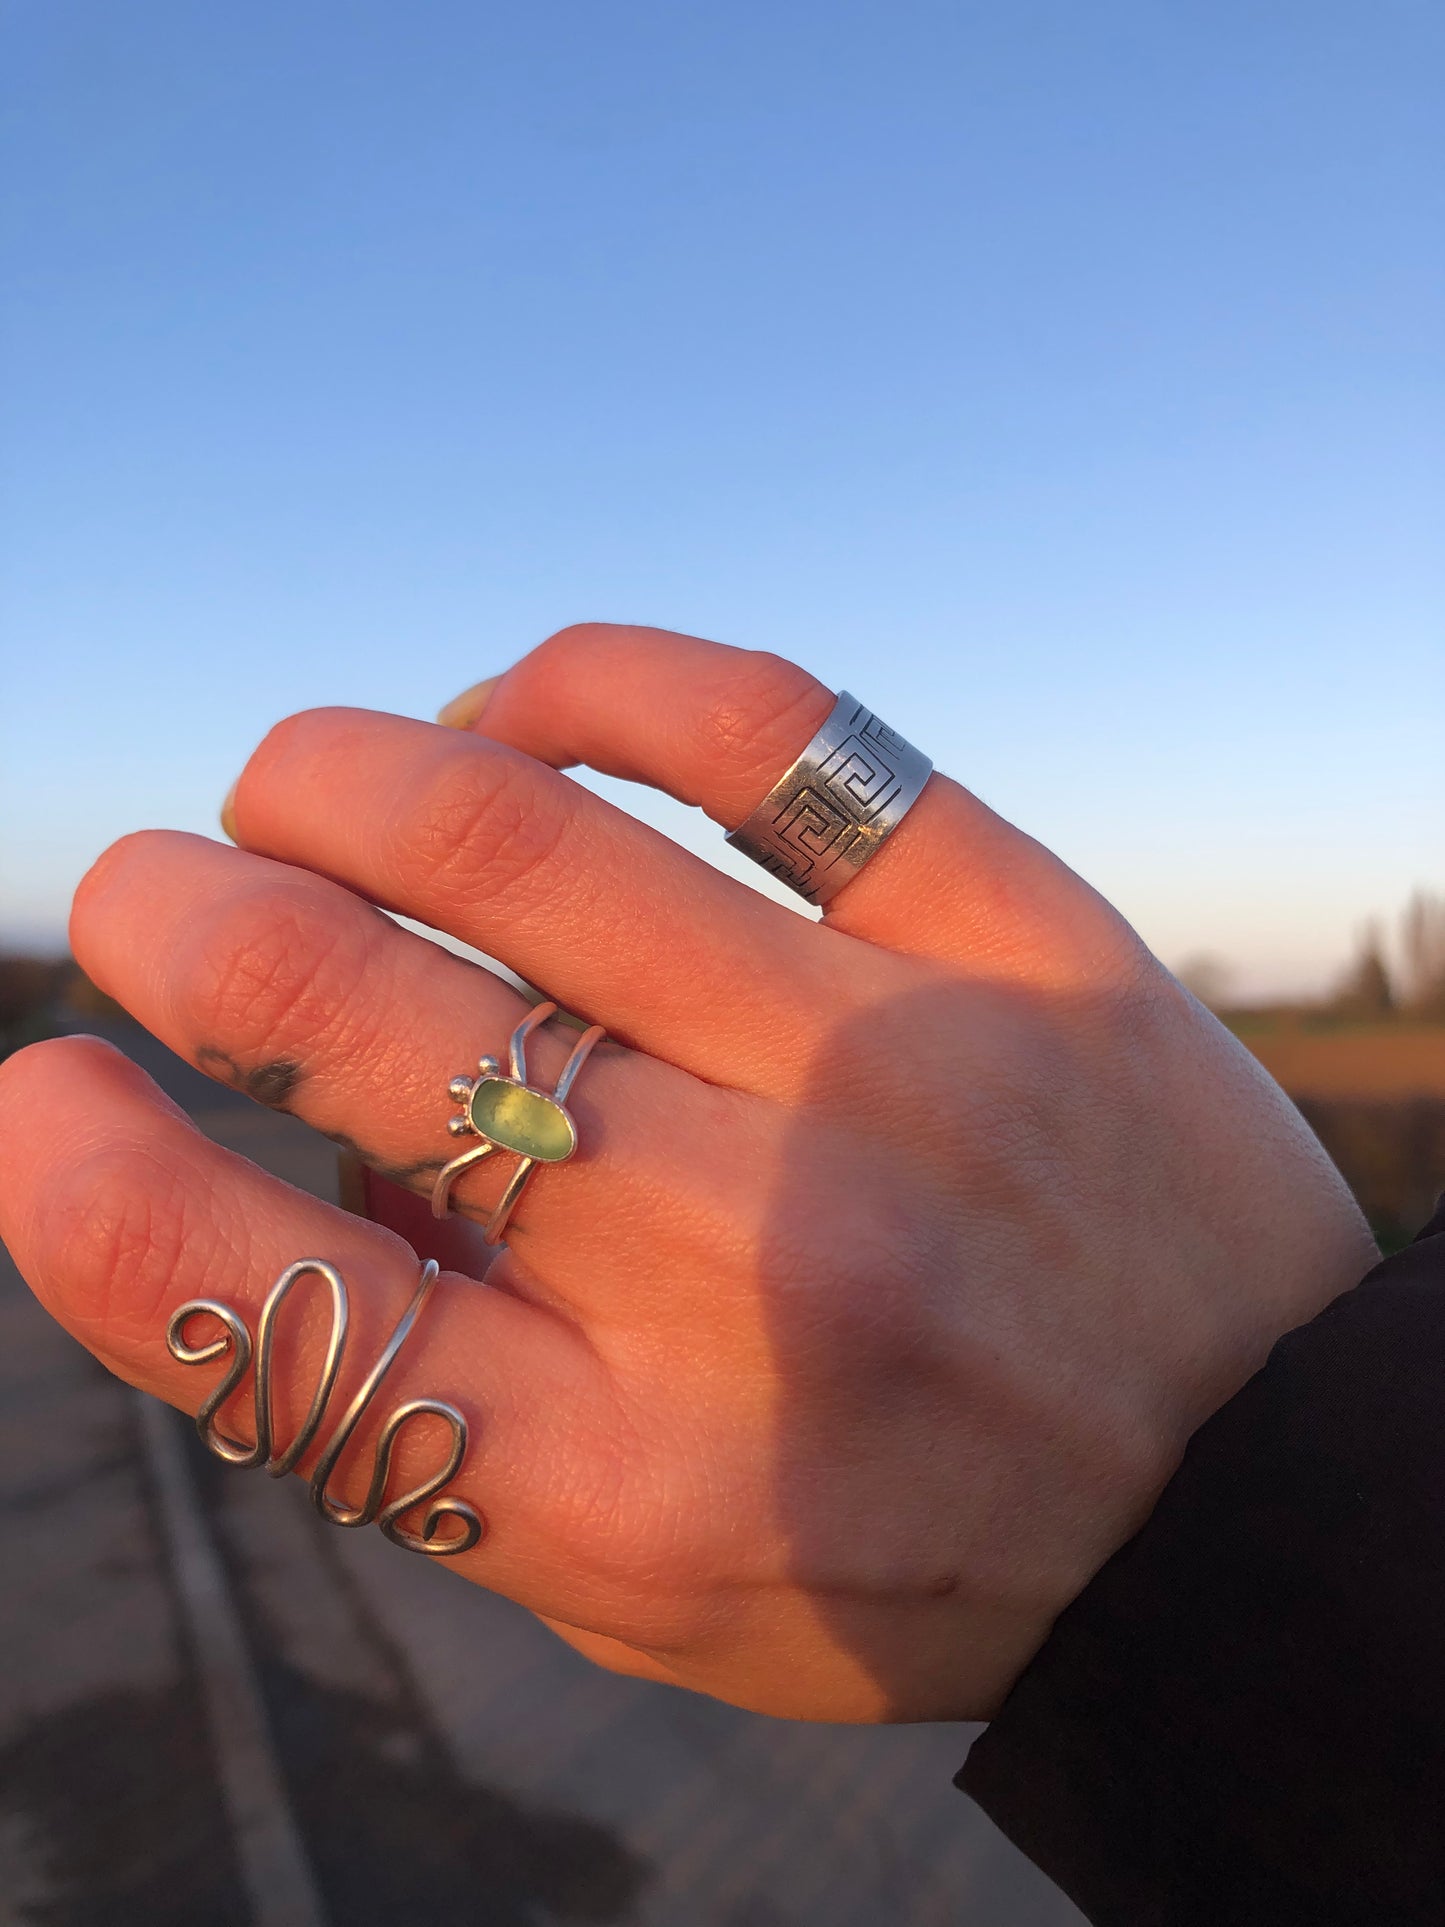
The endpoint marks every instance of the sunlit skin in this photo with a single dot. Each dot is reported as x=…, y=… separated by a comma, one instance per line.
x=901, y=1253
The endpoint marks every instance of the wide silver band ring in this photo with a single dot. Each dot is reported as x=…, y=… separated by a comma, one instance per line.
x=849, y=790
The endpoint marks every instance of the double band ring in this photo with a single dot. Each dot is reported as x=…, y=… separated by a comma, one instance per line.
x=826, y=816
x=507, y=1114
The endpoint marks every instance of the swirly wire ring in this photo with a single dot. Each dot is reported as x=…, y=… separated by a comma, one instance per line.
x=236, y=1339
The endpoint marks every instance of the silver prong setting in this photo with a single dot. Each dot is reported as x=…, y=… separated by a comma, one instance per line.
x=525, y=1119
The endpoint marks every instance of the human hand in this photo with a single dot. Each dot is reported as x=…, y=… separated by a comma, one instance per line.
x=902, y=1253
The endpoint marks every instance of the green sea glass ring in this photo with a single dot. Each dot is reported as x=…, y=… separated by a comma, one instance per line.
x=508, y=1114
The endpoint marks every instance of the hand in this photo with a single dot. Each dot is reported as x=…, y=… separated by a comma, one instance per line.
x=902, y=1254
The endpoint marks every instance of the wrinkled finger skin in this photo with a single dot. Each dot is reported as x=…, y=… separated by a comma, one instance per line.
x=904, y=1251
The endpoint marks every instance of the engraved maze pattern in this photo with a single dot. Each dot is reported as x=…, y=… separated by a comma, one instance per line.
x=835, y=806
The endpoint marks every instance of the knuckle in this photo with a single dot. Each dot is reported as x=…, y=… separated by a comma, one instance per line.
x=485, y=829
x=761, y=713
x=274, y=970
x=117, y=1234
x=116, y=856
x=138, y=852
x=562, y=669
x=577, y=639
x=26, y=1072
x=284, y=743
x=290, y=736
x=298, y=743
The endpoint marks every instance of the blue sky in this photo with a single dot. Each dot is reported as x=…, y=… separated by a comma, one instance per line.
x=1065, y=380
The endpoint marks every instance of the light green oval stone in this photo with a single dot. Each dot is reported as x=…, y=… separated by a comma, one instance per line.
x=523, y=1121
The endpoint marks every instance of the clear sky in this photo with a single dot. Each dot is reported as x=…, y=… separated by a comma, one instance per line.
x=1068, y=380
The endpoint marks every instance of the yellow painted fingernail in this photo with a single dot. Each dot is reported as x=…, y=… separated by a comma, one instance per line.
x=462, y=711
x=228, y=812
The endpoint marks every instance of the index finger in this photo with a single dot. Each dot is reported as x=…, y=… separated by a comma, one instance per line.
x=717, y=726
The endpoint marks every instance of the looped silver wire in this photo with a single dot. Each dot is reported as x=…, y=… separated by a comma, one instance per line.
x=236, y=1339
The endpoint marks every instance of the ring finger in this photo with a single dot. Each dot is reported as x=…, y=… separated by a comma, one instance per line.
x=290, y=988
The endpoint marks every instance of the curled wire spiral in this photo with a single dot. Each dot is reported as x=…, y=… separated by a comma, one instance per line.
x=235, y=1339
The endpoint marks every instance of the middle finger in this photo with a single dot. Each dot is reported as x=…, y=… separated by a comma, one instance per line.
x=617, y=922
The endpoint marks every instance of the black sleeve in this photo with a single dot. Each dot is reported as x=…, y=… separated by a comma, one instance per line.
x=1242, y=1717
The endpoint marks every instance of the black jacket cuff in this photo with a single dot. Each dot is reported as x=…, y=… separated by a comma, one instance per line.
x=1242, y=1717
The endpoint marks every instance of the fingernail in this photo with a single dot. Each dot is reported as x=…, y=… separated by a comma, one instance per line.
x=462, y=711
x=228, y=812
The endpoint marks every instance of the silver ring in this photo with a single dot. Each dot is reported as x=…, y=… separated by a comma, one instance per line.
x=509, y=1114
x=851, y=787
x=235, y=1341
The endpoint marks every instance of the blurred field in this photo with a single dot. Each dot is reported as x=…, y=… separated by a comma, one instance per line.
x=1375, y=1095
x=1376, y=1063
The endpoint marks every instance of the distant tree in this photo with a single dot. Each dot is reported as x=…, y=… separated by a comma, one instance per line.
x=1365, y=989
x=1209, y=977
x=1422, y=951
